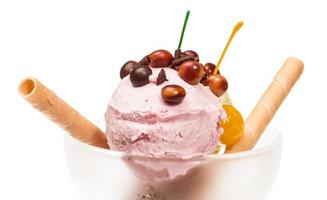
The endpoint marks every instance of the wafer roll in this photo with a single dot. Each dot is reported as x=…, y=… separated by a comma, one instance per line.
x=57, y=110
x=268, y=104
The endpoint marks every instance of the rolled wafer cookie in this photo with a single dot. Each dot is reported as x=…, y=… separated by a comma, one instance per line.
x=268, y=104
x=57, y=110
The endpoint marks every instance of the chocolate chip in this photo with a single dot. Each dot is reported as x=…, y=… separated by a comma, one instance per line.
x=161, y=77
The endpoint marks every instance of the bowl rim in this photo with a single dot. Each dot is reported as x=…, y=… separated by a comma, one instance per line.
x=276, y=142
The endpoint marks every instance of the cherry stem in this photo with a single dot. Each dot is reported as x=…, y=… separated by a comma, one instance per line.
x=183, y=30
x=235, y=30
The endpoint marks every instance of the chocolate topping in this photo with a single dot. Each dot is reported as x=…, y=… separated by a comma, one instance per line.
x=179, y=61
x=144, y=61
x=161, y=77
x=140, y=75
x=127, y=68
x=177, y=54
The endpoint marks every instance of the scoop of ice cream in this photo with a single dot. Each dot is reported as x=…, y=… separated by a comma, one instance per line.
x=140, y=122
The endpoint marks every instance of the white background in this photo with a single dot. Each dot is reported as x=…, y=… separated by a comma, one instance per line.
x=78, y=47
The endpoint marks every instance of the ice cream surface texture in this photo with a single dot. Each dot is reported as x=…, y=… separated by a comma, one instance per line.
x=140, y=122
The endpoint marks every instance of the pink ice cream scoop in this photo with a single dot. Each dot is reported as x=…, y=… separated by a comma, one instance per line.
x=140, y=122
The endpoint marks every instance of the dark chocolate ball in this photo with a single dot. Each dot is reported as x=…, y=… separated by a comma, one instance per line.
x=140, y=75
x=127, y=68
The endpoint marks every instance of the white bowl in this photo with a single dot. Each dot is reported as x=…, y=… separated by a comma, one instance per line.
x=101, y=174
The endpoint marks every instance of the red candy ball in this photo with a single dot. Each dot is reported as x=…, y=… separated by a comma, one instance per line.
x=160, y=58
x=193, y=54
x=217, y=84
x=191, y=72
x=173, y=94
x=209, y=68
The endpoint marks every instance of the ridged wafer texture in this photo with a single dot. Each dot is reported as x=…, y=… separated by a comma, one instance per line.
x=268, y=104
x=60, y=112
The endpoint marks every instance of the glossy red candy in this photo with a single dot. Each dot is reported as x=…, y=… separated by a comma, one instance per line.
x=209, y=68
x=173, y=94
x=193, y=54
x=160, y=58
x=191, y=72
x=217, y=84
